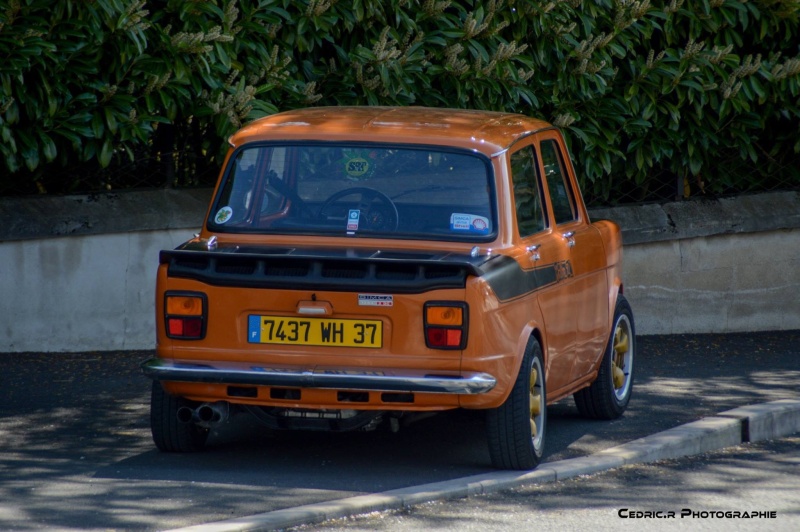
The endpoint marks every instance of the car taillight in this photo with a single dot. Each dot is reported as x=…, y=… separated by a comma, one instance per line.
x=446, y=324
x=185, y=315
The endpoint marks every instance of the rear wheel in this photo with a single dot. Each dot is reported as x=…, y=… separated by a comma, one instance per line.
x=516, y=429
x=170, y=434
x=608, y=396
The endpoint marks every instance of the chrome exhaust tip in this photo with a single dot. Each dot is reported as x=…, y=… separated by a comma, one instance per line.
x=205, y=414
x=185, y=414
x=213, y=412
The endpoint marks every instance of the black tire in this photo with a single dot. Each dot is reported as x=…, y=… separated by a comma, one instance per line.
x=607, y=397
x=169, y=434
x=510, y=427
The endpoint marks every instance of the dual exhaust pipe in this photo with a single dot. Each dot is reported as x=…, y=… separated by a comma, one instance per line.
x=205, y=414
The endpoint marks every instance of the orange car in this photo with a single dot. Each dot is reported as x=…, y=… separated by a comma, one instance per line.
x=360, y=265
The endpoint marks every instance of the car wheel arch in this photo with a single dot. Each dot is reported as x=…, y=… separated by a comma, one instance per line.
x=532, y=330
x=615, y=289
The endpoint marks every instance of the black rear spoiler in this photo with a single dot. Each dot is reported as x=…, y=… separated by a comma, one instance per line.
x=334, y=269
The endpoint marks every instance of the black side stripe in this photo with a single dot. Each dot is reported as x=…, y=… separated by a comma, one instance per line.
x=510, y=281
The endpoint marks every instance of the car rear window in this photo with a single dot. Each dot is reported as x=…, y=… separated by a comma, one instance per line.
x=357, y=190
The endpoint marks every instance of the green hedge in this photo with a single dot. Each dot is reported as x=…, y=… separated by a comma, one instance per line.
x=648, y=92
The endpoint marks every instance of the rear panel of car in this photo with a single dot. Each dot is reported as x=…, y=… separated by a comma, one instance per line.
x=312, y=328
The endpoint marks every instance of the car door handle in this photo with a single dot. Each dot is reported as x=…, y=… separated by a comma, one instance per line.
x=533, y=251
x=570, y=236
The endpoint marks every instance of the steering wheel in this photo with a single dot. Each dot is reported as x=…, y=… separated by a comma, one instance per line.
x=378, y=211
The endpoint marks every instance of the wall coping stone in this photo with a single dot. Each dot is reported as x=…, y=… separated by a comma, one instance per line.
x=32, y=218
x=754, y=213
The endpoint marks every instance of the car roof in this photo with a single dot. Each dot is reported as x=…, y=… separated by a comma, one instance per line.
x=488, y=132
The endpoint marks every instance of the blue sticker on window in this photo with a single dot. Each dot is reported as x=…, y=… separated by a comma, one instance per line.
x=352, y=220
x=470, y=223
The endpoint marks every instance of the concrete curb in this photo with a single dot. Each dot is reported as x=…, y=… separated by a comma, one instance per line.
x=740, y=425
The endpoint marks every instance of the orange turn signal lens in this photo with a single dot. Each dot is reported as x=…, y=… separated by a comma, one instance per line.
x=452, y=316
x=184, y=306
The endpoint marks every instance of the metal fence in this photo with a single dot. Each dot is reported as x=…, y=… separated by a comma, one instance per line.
x=177, y=169
x=185, y=169
x=732, y=176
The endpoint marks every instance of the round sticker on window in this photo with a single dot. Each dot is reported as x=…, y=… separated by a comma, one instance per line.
x=359, y=165
x=223, y=215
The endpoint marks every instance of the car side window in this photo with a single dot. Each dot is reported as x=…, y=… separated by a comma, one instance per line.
x=560, y=193
x=527, y=199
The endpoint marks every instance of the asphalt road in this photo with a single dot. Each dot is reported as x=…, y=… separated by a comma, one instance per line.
x=711, y=492
x=75, y=449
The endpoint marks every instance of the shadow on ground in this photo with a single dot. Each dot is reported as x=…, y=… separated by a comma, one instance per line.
x=76, y=449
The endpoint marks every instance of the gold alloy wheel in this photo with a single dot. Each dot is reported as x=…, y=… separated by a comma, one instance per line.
x=622, y=363
x=535, y=402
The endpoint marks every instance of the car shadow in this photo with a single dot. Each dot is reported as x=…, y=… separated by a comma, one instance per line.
x=77, y=452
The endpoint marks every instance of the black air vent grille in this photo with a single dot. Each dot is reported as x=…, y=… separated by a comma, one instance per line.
x=286, y=268
x=441, y=272
x=345, y=270
x=315, y=273
x=397, y=273
x=191, y=264
x=245, y=267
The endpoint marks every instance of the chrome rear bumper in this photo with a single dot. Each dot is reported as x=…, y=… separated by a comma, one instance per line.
x=329, y=378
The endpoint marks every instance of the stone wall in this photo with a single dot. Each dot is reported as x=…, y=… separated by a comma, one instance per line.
x=78, y=273
x=713, y=266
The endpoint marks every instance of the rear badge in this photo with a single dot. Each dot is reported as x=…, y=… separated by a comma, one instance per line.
x=375, y=300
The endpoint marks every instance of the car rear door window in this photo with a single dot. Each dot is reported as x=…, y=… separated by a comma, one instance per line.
x=527, y=197
x=560, y=194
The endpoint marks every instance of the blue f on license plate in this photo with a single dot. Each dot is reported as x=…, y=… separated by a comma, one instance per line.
x=314, y=331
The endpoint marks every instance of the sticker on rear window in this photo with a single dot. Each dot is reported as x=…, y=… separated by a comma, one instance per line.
x=471, y=223
x=375, y=300
x=352, y=220
x=359, y=165
x=223, y=215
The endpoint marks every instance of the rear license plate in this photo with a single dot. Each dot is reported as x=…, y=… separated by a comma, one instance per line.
x=314, y=331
